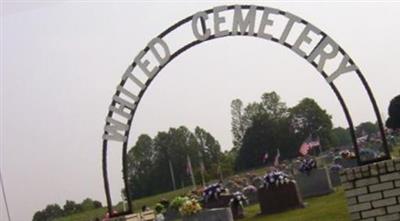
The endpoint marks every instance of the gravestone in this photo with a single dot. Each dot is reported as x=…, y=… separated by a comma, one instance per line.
x=222, y=201
x=348, y=163
x=219, y=214
x=335, y=178
x=280, y=198
x=171, y=214
x=316, y=183
x=145, y=216
x=251, y=197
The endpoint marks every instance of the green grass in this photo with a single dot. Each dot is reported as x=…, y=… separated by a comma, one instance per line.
x=326, y=208
x=148, y=201
x=396, y=151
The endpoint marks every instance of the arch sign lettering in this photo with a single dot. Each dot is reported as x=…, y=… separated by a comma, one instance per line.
x=284, y=28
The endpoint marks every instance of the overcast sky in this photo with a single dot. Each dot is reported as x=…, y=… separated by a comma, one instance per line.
x=61, y=63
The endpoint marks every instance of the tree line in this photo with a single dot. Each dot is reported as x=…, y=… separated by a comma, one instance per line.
x=54, y=211
x=159, y=164
x=258, y=128
x=265, y=126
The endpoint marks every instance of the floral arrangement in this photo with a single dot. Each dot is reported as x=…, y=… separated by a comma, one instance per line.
x=307, y=165
x=276, y=178
x=238, y=198
x=177, y=202
x=159, y=208
x=213, y=191
x=190, y=207
x=346, y=154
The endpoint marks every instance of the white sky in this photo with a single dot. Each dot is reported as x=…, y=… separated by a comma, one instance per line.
x=61, y=62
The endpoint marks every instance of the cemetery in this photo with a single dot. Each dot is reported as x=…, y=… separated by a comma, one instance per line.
x=366, y=172
x=278, y=195
x=286, y=162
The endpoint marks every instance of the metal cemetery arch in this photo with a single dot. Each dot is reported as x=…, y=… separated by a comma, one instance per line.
x=125, y=102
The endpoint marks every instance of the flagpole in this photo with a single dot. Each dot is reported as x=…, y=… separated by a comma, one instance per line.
x=202, y=168
x=191, y=171
x=221, y=176
x=278, y=154
x=171, y=170
x=4, y=196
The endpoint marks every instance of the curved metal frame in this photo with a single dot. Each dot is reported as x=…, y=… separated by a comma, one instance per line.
x=196, y=42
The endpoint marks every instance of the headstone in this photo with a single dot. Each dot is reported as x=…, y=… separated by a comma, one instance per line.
x=130, y=217
x=171, y=214
x=222, y=201
x=148, y=216
x=316, y=183
x=252, y=197
x=280, y=198
x=219, y=214
x=335, y=178
x=237, y=211
x=348, y=163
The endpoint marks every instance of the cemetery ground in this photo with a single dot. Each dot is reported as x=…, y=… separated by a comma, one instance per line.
x=332, y=207
x=326, y=208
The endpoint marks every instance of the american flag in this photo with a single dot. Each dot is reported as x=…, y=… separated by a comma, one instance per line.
x=189, y=169
x=308, y=144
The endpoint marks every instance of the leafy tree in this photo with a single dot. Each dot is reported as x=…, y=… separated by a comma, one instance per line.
x=254, y=144
x=54, y=211
x=238, y=124
x=266, y=135
x=89, y=204
x=180, y=144
x=39, y=216
x=267, y=129
x=340, y=137
x=51, y=212
x=366, y=128
x=270, y=105
x=273, y=106
x=393, y=121
x=314, y=120
x=97, y=204
x=208, y=146
x=149, y=167
x=141, y=155
x=227, y=162
x=70, y=207
x=140, y=163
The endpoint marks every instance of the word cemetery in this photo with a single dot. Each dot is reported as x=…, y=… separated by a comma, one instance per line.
x=287, y=29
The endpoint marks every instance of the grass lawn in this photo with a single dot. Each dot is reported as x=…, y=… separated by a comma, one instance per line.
x=148, y=201
x=396, y=151
x=326, y=208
